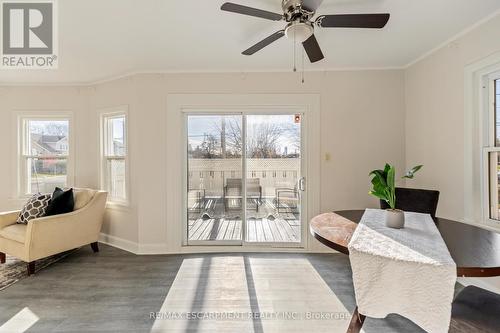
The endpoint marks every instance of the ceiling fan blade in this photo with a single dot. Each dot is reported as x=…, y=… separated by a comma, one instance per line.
x=374, y=21
x=240, y=9
x=265, y=42
x=312, y=49
x=311, y=5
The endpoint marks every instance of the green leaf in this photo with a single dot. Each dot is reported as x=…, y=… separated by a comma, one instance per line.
x=411, y=173
x=383, y=183
x=379, y=195
x=391, y=185
x=379, y=177
x=387, y=167
x=391, y=177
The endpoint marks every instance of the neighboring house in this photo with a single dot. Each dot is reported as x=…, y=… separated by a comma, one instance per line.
x=48, y=144
x=62, y=145
x=118, y=148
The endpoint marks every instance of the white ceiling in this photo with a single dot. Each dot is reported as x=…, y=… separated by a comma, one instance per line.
x=99, y=39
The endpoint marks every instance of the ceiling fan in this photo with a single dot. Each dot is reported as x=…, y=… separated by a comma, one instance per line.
x=300, y=27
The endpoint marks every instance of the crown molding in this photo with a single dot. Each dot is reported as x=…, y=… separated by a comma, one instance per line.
x=453, y=39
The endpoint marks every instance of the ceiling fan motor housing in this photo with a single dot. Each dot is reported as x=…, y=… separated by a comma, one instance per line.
x=294, y=10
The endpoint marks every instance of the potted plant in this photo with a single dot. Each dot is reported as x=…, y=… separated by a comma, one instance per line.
x=384, y=188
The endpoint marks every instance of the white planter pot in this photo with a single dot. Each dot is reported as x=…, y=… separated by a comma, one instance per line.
x=394, y=218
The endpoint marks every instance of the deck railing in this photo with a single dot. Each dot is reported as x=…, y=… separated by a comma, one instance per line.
x=211, y=174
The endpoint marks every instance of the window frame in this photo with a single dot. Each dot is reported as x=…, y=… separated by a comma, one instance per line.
x=489, y=146
x=104, y=177
x=22, y=119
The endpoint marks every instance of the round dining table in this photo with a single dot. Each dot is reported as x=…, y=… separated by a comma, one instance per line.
x=476, y=251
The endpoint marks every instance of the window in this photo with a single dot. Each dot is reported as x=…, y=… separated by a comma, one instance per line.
x=44, y=153
x=492, y=150
x=114, y=156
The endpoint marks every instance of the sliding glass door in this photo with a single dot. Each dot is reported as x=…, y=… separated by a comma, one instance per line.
x=214, y=179
x=273, y=172
x=244, y=181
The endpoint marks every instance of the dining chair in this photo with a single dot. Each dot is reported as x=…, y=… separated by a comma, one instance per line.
x=475, y=310
x=415, y=200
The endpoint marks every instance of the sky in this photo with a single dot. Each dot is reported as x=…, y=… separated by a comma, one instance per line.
x=49, y=127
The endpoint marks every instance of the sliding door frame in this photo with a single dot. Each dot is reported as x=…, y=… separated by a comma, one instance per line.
x=244, y=112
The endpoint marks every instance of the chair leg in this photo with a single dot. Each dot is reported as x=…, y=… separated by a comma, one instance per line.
x=31, y=268
x=95, y=247
x=2, y=258
x=356, y=323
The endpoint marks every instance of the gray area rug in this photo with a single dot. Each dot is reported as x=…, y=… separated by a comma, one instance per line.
x=14, y=269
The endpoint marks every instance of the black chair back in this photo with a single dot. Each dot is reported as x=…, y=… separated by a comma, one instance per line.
x=415, y=200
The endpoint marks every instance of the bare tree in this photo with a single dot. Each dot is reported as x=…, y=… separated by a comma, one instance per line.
x=209, y=146
x=50, y=128
x=230, y=131
x=264, y=139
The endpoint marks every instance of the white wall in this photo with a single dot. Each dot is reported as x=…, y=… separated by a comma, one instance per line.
x=435, y=115
x=351, y=102
x=362, y=127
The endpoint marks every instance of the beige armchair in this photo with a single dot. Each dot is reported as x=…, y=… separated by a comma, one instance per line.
x=46, y=236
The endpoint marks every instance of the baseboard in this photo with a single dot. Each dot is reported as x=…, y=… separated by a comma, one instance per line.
x=120, y=243
x=481, y=283
x=159, y=248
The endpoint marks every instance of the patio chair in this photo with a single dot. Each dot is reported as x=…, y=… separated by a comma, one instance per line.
x=196, y=200
x=234, y=190
x=287, y=194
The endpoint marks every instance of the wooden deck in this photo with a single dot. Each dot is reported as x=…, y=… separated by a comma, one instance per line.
x=258, y=230
x=284, y=227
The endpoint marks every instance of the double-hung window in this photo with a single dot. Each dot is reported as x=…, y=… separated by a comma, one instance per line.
x=492, y=150
x=114, y=156
x=44, y=153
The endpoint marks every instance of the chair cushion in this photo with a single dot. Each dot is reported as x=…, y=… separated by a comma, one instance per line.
x=82, y=197
x=34, y=208
x=475, y=310
x=15, y=232
x=62, y=202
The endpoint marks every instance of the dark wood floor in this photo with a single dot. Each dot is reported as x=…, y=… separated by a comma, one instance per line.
x=115, y=291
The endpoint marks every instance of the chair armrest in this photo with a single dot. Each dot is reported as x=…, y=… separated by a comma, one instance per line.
x=8, y=218
x=285, y=189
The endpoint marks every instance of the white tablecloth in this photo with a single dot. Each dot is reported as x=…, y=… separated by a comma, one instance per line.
x=405, y=271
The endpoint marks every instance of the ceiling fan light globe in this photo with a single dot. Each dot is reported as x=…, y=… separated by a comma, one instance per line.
x=299, y=32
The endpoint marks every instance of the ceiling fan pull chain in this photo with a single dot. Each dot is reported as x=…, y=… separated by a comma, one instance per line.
x=303, y=66
x=294, y=54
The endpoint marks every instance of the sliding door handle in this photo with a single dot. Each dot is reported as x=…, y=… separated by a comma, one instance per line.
x=302, y=184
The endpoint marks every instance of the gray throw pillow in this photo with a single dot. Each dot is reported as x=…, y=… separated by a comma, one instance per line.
x=34, y=208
